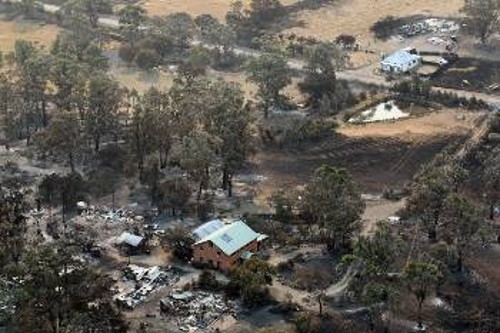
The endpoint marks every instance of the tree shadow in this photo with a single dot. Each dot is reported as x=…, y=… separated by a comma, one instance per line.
x=307, y=5
x=290, y=20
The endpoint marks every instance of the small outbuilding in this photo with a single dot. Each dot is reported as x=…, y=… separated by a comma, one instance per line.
x=133, y=244
x=400, y=62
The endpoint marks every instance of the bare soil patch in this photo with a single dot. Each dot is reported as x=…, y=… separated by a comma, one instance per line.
x=371, y=160
x=487, y=264
x=379, y=155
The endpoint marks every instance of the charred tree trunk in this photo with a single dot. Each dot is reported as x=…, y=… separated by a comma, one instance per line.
x=44, y=113
x=225, y=176
x=200, y=189
x=97, y=143
x=460, y=260
x=230, y=186
x=71, y=162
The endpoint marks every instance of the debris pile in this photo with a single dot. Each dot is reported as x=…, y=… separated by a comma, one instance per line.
x=431, y=25
x=196, y=310
x=105, y=214
x=141, y=281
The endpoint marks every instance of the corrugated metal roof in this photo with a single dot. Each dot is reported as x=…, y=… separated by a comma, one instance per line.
x=400, y=57
x=232, y=237
x=246, y=255
x=207, y=228
x=130, y=239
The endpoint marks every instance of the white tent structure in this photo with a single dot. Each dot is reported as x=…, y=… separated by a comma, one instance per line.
x=401, y=61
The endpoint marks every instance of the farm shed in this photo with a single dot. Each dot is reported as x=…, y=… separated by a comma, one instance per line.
x=401, y=61
x=227, y=246
x=132, y=243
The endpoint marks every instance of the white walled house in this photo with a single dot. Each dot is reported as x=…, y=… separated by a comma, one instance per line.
x=401, y=61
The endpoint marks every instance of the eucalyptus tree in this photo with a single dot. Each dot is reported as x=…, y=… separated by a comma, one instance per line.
x=101, y=117
x=333, y=198
x=460, y=223
x=270, y=72
x=421, y=278
x=62, y=137
x=58, y=293
x=131, y=19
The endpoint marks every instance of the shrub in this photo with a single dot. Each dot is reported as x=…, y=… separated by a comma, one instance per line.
x=285, y=266
x=384, y=28
x=346, y=41
x=228, y=61
x=127, y=53
x=113, y=157
x=147, y=59
x=200, y=58
x=208, y=281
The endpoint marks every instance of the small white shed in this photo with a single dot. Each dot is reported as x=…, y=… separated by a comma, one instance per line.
x=401, y=61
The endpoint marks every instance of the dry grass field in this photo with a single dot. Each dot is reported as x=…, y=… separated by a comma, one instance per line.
x=250, y=89
x=217, y=8
x=444, y=122
x=35, y=32
x=141, y=81
x=355, y=17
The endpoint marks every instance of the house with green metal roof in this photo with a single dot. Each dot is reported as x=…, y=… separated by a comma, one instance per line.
x=227, y=246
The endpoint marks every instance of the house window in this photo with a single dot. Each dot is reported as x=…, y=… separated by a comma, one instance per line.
x=211, y=244
x=218, y=253
x=201, y=248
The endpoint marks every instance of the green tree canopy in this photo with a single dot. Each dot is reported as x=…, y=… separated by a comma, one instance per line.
x=62, y=137
x=421, y=277
x=131, y=18
x=60, y=293
x=333, y=198
x=249, y=281
x=105, y=97
x=320, y=81
x=271, y=74
x=459, y=224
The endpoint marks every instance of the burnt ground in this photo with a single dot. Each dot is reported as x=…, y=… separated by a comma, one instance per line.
x=479, y=75
x=376, y=163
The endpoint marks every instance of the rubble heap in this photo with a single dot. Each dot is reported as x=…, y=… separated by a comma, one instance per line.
x=196, y=310
x=431, y=25
x=144, y=280
x=129, y=213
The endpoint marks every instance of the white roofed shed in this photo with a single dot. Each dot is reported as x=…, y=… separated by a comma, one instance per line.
x=401, y=61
